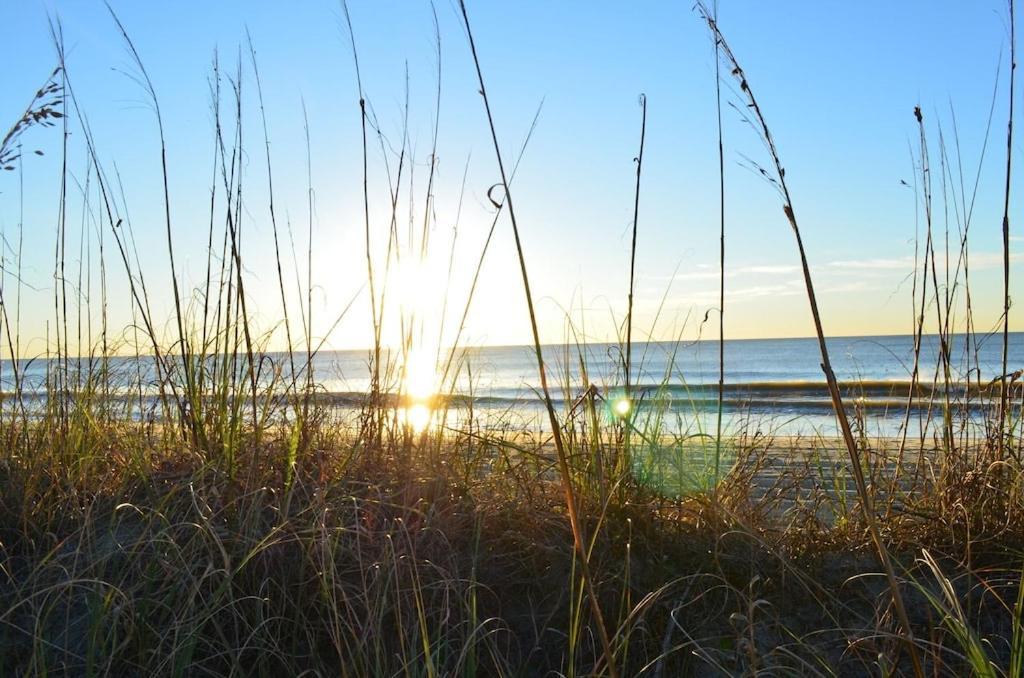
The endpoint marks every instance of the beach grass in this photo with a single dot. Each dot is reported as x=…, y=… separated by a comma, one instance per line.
x=208, y=511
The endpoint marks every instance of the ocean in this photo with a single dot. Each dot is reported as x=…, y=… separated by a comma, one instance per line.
x=771, y=385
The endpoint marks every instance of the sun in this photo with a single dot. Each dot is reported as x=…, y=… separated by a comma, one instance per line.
x=417, y=298
x=622, y=406
x=419, y=374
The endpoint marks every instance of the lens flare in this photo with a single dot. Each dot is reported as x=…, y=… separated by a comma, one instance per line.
x=622, y=406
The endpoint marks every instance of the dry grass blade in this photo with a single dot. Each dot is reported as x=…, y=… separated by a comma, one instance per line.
x=632, y=275
x=563, y=465
x=856, y=462
x=721, y=253
x=43, y=110
x=1003, y=380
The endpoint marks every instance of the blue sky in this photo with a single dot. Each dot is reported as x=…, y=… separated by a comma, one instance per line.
x=837, y=81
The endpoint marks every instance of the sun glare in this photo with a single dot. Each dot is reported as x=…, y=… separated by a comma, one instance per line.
x=622, y=406
x=418, y=379
x=416, y=291
x=418, y=374
x=418, y=417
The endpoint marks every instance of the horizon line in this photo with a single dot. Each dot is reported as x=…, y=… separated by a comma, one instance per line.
x=530, y=345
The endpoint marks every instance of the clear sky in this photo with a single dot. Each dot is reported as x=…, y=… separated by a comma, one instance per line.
x=838, y=82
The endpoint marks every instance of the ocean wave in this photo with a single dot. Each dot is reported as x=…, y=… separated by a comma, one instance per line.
x=874, y=396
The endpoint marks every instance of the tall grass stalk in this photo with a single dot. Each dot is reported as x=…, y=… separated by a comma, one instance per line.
x=721, y=252
x=1003, y=379
x=183, y=345
x=563, y=464
x=273, y=215
x=377, y=320
x=779, y=180
x=630, y=412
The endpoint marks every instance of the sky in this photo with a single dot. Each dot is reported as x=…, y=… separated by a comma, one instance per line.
x=837, y=81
